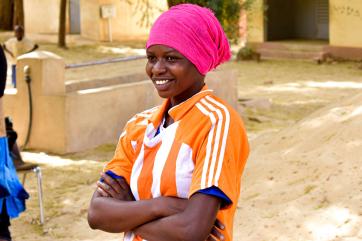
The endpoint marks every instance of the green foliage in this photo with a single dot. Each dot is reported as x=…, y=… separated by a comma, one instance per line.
x=148, y=10
x=247, y=53
x=226, y=11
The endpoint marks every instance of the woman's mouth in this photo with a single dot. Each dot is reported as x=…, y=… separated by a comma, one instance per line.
x=162, y=82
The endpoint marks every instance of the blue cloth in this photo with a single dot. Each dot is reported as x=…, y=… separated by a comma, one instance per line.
x=157, y=131
x=11, y=190
x=111, y=174
x=13, y=75
x=215, y=191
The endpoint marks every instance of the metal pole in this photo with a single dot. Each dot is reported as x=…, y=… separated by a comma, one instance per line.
x=37, y=170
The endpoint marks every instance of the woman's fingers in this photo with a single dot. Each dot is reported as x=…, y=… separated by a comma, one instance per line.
x=116, y=188
x=219, y=224
x=112, y=183
x=106, y=189
x=124, y=185
x=211, y=238
x=215, y=232
x=102, y=193
x=128, y=195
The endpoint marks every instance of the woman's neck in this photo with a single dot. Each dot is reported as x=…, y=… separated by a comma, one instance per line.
x=176, y=100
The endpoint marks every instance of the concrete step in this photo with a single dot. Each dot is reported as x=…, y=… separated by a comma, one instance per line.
x=292, y=46
x=288, y=54
x=294, y=50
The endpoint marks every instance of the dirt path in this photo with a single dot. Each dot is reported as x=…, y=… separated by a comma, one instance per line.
x=68, y=183
x=305, y=181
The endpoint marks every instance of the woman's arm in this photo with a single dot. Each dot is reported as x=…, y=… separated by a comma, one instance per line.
x=119, y=213
x=193, y=224
x=116, y=216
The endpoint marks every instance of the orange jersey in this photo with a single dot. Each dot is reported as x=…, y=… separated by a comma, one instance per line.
x=205, y=146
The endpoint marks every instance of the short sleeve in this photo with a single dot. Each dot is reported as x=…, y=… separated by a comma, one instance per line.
x=221, y=158
x=216, y=192
x=129, y=146
x=28, y=45
x=122, y=161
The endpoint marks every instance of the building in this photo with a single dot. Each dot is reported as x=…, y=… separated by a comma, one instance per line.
x=333, y=24
x=100, y=20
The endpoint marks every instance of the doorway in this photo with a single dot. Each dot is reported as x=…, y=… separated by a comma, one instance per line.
x=297, y=19
x=74, y=15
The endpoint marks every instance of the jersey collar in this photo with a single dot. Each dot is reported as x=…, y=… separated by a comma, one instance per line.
x=178, y=111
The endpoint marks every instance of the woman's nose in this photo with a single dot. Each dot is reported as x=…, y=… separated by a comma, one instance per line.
x=159, y=67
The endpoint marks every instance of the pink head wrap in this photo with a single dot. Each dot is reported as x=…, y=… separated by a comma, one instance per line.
x=193, y=31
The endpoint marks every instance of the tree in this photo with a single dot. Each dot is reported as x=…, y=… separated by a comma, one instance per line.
x=226, y=11
x=6, y=16
x=18, y=13
x=147, y=9
x=12, y=13
x=62, y=24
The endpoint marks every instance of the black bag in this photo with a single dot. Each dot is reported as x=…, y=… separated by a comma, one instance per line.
x=10, y=133
x=3, y=71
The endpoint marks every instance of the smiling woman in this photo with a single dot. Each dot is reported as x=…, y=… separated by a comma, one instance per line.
x=176, y=171
x=173, y=75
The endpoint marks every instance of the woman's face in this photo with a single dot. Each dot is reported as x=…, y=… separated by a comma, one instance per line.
x=173, y=75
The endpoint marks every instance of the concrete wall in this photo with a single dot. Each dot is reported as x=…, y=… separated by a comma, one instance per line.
x=89, y=19
x=127, y=24
x=41, y=16
x=78, y=119
x=346, y=23
x=255, y=21
x=97, y=116
x=48, y=95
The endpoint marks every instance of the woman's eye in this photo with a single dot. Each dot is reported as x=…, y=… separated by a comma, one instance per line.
x=151, y=58
x=171, y=59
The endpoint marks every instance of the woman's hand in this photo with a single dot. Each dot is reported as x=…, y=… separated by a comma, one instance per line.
x=114, y=187
x=216, y=234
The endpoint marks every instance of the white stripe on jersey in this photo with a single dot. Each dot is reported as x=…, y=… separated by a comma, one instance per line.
x=217, y=140
x=161, y=157
x=209, y=143
x=128, y=236
x=226, y=133
x=184, y=169
x=136, y=170
x=134, y=145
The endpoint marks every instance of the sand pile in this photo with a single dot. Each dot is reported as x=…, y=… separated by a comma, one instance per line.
x=305, y=182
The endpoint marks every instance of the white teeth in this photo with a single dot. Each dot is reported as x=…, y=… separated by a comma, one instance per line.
x=161, y=82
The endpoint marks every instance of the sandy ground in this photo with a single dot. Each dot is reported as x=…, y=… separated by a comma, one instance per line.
x=303, y=180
